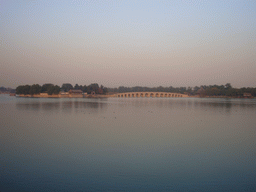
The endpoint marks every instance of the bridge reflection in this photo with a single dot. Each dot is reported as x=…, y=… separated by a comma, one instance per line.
x=150, y=94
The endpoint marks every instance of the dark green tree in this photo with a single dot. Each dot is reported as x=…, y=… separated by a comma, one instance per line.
x=93, y=87
x=35, y=89
x=105, y=90
x=46, y=87
x=53, y=90
x=84, y=88
x=26, y=89
x=19, y=89
x=66, y=87
x=228, y=86
x=50, y=89
x=56, y=89
x=76, y=87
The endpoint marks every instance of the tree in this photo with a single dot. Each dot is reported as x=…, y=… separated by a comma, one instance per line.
x=50, y=89
x=201, y=92
x=189, y=90
x=56, y=89
x=19, y=89
x=84, y=88
x=23, y=89
x=46, y=87
x=35, y=89
x=228, y=86
x=93, y=87
x=212, y=91
x=121, y=89
x=66, y=87
x=26, y=89
x=76, y=87
x=105, y=90
x=53, y=90
x=182, y=90
x=195, y=89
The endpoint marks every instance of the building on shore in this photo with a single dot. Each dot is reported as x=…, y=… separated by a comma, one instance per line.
x=75, y=93
x=64, y=94
x=43, y=94
x=247, y=95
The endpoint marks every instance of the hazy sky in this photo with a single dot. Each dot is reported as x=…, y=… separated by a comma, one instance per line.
x=129, y=43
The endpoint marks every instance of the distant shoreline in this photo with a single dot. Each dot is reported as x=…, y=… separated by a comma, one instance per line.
x=109, y=96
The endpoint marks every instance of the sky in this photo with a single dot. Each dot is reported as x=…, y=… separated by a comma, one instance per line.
x=128, y=43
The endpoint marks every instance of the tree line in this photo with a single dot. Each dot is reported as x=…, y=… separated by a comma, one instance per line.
x=37, y=89
x=203, y=90
x=6, y=90
x=94, y=87
x=55, y=89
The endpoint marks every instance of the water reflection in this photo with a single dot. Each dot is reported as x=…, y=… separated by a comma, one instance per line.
x=28, y=106
x=226, y=105
x=50, y=106
x=65, y=106
x=164, y=144
x=204, y=102
x=214, y=105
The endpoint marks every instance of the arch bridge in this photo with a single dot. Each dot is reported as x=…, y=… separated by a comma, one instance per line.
x=150, y=94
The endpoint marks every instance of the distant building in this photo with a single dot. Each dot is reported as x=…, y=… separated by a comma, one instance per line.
x=44, y=94
x=75, y=93
x=64, y=94
x=247, y=95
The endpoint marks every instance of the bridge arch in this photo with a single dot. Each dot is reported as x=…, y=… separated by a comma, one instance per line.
x=149, y=94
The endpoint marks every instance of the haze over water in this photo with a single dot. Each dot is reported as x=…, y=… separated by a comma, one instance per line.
x=128, y=43
x=130, y=144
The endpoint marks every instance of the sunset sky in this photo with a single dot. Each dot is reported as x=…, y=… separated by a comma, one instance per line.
x=128, y=43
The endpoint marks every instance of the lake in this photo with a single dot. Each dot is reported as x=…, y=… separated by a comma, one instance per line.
x=127, y=144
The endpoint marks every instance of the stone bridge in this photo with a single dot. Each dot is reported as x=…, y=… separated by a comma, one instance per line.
x=150, y=94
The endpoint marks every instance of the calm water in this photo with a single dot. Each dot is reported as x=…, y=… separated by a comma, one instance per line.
x=131, y=144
